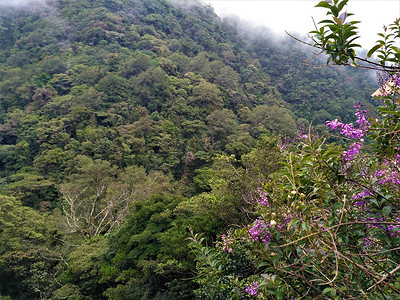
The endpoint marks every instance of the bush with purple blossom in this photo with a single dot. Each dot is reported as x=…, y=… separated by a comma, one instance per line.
x=327, y=224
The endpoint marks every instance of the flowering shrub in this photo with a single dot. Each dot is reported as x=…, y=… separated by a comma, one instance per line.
x=327, y=224
x=331, y=227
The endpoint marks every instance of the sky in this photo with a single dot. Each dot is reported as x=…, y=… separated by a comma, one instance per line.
x=296, y=16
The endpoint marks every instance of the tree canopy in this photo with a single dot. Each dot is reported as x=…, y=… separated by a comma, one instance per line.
x=125, y=125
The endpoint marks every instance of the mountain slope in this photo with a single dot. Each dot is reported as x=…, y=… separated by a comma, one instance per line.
x=131, y=108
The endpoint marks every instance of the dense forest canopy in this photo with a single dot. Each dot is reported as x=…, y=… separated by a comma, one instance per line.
x=124, y=124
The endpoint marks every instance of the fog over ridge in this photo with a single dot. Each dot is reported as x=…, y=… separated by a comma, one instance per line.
x=22, y=3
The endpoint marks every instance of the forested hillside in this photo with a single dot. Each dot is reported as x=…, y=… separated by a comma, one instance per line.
x=124, y=124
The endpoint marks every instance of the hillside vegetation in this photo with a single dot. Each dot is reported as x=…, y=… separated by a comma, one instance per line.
x=125, y=124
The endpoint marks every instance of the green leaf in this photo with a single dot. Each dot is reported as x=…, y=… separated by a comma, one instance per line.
x=335, y=11
x=263, y=264
x=327, y=290
x=304, y=225
x=386, y=210
x=326, y=21
x=374, y=201
x=323, y=4
x=342, y=4
x=390, y=151
x=354, y=46
x=373, y=49
x=348, y=34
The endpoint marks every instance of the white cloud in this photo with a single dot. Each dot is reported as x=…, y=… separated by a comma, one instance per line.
x=21, y=3
x=295, y=16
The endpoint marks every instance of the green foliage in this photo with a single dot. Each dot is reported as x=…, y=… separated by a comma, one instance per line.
x=385, y=130
x=274, y=119
x=31, y=189
x=144, y=252
x=24, y=257
x=325, y=224
x=337, y=36
x=220, y=274
x=315, y=225
x=81, y=278
x=127, y=122
x=386, y=48
x=20, y=223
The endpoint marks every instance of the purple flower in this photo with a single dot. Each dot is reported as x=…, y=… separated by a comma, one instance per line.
x=283, y=226
x=397, y=159
x=227, y=241
x=361, y=206
x=335, y=124
x=397, y=79
x=387, y=176
x=302, y=135
x=362, y=194
x=363, y=123
x=367, y=242
x=349, y=131
x=343, y=17
x=262, y=199
x=252, y=289
x=259, y=231
x=361, y=120
x=374, y=222
x=393, y=229
x=288, y=219
x=353, y=150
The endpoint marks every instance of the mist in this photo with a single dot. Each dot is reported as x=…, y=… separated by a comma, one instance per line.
x=43, y=6
x=22, y=3
x=45, y=10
